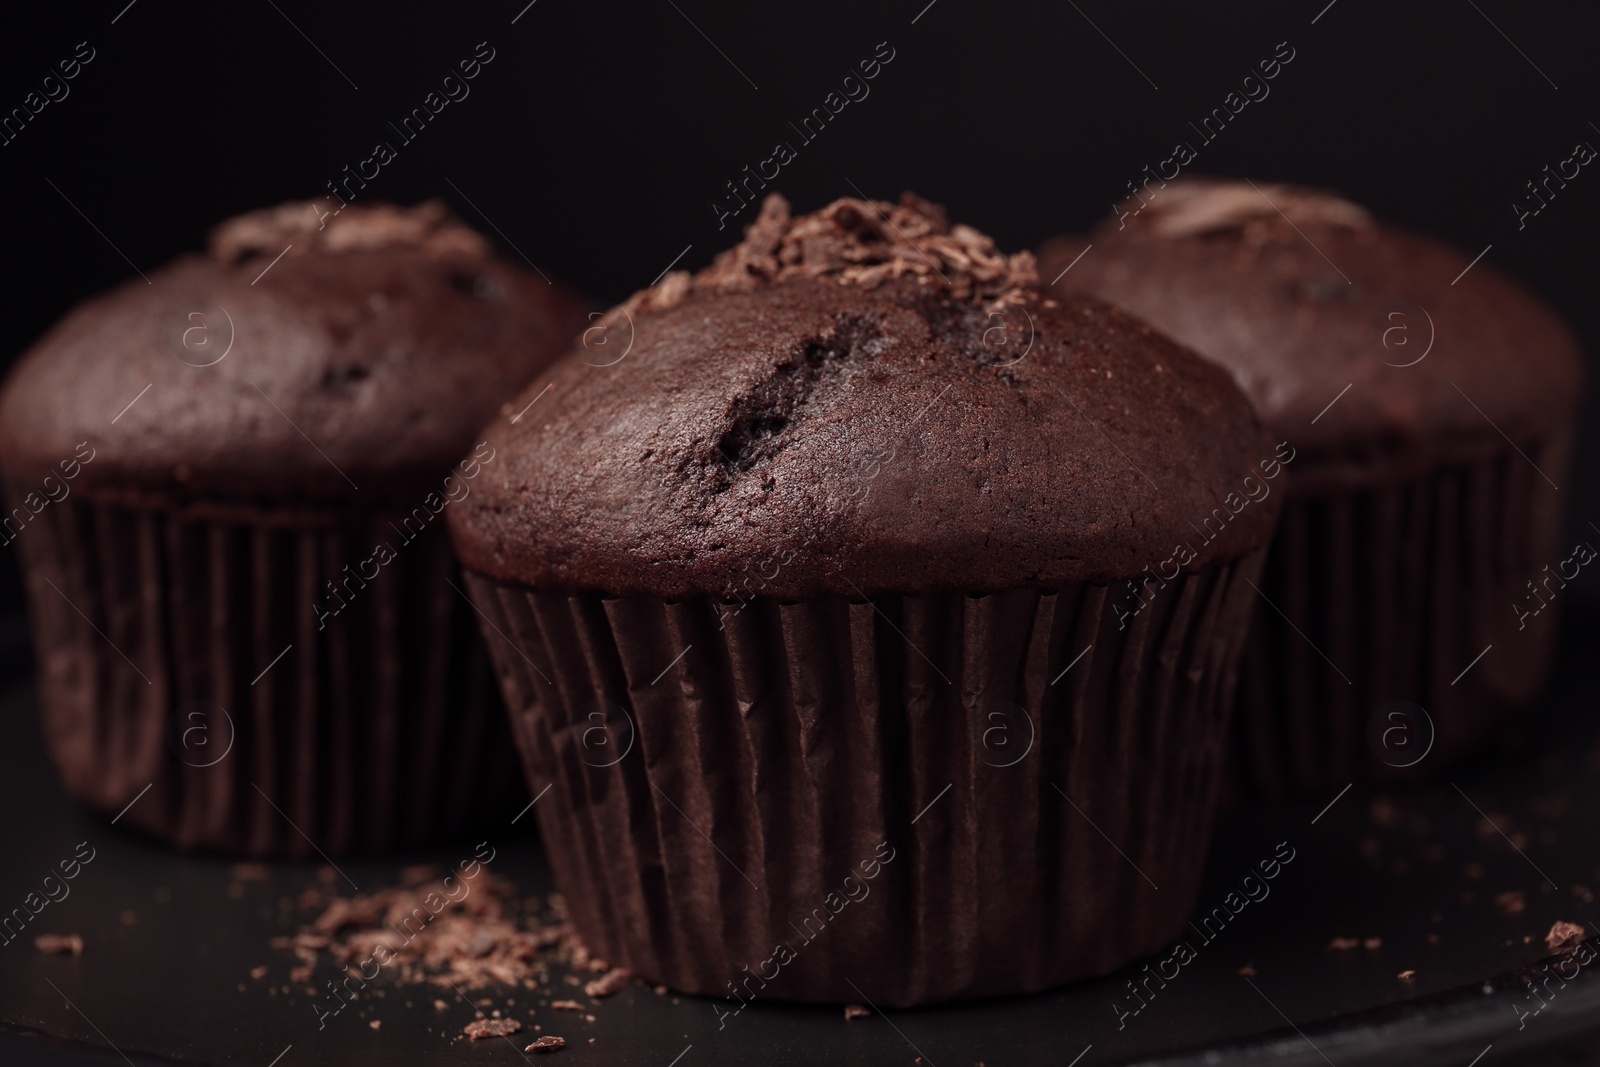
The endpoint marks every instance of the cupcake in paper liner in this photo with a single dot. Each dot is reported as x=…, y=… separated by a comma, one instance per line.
x=1428, y=402
x=225, y=488
x=853, y=628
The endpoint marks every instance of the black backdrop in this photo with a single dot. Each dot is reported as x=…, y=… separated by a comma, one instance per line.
x=600, y=135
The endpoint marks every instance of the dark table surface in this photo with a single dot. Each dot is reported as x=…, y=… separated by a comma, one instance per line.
x=170, y=942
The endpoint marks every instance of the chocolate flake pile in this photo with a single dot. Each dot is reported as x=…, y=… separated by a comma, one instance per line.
x=306, y=225
x=547, y=1043
x=473, y=942
x=854, y=242
x=1195, y=207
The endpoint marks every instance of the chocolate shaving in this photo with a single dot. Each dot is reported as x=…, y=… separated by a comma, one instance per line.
x=855, y=1011
x=608, y=983
x=480, y=1028
x=863, y=243
x=567, y=1005
x=59, y=944
x=305, y=226
x=547, y=1043
x=1564, y=935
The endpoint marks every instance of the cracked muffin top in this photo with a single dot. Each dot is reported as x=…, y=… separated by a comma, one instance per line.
x=864, y=400
x=1305, y=297
x=306, y=357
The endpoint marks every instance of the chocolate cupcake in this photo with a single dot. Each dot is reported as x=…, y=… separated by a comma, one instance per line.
x=1429, y=403
x=863, y=594
x=225, y=486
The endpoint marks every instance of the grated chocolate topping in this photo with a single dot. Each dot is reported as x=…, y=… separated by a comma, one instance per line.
x=863, y=243
x=306, y=226
x=1195, y=207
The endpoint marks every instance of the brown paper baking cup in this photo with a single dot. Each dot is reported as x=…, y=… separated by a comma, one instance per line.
x=184, y=655
x=906, y=800
x=1399, y=594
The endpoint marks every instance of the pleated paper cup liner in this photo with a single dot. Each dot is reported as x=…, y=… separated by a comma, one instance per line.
x=902, y=800
x=191, y=691
x=1391, y=643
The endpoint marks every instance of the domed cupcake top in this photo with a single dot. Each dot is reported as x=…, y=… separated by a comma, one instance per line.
x=1306, y=298
x=864, y=400
x=307, y=357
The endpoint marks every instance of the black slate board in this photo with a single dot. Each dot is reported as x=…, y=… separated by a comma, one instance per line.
x=168, y=947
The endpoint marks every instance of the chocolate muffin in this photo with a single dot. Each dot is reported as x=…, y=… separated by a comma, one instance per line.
x=1429, y=402
x=863, y=593
x=224, y=487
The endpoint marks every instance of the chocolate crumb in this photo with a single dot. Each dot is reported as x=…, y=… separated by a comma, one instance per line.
x=258, y=973
x=1343, y=944
x=1372, y=944
x=301, y=974
x=855, y=1011
x=1247, y=971
x=608, y=983
x=1511, y=902
x=1406, y=976
x=567, y=1005
x=59, y=944
x=1564, y=935
x=491, y=1028
x=547, y=1043
x=376, y=1024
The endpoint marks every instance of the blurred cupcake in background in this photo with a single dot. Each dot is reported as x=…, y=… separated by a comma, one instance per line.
x=863, y=594
x=1429, y=404
x=225, y=487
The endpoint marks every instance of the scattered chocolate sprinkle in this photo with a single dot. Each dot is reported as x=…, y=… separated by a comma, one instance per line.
x=567, y=1005
x=855, y=1011
x=258, y=973
x=376, y=1024
x=1372, y=944
x=1512, y=901
x=1406, y=976
x=548, y=1043
x=608, y=983
x=59, y=944
x=1564, y=935
x=1343, y=944
x=301, y=974
x=491, y=1028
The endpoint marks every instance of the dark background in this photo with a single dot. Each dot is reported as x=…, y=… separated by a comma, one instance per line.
x=601, y=134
